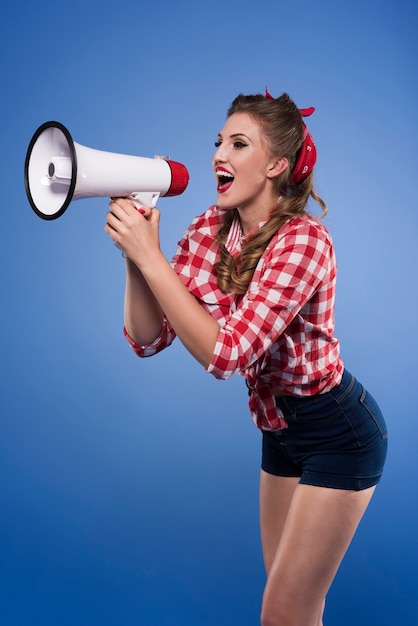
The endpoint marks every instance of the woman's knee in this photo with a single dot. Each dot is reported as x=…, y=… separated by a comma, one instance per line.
x=277, y=612
x=286, y=612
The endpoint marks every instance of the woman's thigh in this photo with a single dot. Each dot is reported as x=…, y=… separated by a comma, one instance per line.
x=318, y=529
x=276, y=493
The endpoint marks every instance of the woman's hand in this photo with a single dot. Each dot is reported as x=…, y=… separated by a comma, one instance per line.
x=135, y=230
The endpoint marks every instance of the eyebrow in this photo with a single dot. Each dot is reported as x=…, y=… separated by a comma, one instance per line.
x=236, y=135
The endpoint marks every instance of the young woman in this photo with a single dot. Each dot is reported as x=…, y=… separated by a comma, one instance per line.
x=251, y=291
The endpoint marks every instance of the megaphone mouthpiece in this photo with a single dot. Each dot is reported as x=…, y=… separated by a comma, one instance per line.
x=58, y=170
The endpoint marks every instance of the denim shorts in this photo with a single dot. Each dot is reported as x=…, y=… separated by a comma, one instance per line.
x=337, y=439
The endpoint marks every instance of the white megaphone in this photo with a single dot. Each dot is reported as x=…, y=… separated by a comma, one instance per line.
x=58, y=170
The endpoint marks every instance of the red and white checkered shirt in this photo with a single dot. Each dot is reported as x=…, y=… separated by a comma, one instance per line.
x=279, y=334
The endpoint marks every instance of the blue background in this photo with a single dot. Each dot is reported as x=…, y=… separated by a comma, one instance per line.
x=129, y=488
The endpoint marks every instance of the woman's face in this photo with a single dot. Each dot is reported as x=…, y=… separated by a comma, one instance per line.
x=243, y=166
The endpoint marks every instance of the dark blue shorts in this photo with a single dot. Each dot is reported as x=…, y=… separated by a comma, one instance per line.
x=337, y=439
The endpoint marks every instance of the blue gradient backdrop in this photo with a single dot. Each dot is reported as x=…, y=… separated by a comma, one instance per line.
x=128, y=488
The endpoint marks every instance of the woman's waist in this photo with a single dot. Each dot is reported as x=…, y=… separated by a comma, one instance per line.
x=299, y=384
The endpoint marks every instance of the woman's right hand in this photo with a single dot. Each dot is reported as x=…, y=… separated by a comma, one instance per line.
x=134, y=229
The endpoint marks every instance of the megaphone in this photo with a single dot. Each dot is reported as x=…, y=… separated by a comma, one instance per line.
x=59, y=170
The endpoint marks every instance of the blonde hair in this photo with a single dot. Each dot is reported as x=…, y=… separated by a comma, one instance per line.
x=281, y=123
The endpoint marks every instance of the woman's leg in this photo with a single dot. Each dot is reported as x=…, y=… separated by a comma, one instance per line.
x=304, y=545
x=276, y=493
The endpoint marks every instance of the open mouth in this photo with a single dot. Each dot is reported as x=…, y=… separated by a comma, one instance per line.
x=225, y=179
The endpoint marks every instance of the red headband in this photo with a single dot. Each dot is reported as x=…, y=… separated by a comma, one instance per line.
x=307, y=153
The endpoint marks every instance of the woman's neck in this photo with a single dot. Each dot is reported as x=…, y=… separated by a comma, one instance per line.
x=251, y=218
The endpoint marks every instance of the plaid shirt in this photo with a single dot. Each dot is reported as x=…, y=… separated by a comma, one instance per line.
x=279, y=334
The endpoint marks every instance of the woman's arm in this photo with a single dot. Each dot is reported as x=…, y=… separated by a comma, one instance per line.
x=143, y=315
x=194, y=326
x=153, y=287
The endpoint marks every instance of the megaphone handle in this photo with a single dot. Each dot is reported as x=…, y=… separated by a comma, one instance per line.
x=146, y=198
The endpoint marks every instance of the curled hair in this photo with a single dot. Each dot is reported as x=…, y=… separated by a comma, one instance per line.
x=281, y=124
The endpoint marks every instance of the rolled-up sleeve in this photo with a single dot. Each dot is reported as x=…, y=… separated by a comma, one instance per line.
x=164, y=339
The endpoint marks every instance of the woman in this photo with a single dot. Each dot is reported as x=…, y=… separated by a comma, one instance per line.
x=251, y=291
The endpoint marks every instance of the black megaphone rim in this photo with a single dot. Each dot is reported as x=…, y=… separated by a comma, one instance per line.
x=73, y=154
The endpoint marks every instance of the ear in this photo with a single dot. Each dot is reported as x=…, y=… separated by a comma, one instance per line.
x=277, y=166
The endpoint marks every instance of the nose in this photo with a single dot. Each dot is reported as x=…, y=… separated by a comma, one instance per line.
x=220, y=155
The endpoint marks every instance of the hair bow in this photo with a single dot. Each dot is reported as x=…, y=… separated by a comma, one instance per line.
x=306, y=157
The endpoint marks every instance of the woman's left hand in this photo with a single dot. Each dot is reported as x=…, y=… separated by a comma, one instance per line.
x=135, y=230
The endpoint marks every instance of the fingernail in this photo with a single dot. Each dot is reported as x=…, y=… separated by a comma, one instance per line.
x=141, y=211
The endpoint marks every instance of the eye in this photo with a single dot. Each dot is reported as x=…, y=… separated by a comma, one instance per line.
x=217, y=143
x=239, y=144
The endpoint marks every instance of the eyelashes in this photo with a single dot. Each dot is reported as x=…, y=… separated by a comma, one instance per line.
x=238, y=145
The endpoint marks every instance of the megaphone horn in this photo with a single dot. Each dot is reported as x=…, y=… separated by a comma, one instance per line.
x=58, y=170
